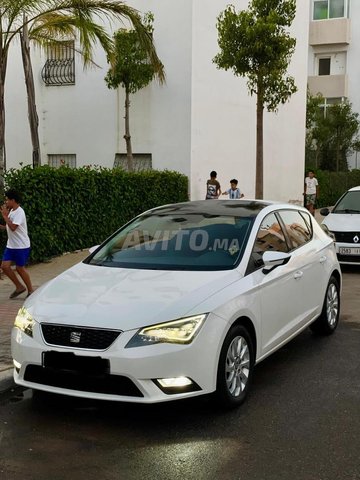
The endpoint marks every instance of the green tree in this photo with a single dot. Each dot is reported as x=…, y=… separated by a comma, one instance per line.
x=51, y=21
x=314, y=115
x=255, y=44
x=132, y=70
x=332, y=135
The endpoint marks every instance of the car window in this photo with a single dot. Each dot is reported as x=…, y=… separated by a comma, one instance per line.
x=177, y=242
x=270, y=237
x=298, y=227
x=349, y=203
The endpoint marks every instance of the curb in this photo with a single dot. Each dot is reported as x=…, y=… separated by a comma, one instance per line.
x=6, y=380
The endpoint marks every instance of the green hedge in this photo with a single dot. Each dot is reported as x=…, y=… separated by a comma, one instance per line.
x=69, y=209
x=333, y=184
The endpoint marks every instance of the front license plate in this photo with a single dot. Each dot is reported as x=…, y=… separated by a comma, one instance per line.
x=75, y=363
x=349, y=251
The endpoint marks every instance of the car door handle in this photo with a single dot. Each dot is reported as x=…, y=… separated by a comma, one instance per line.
x=298, y=274
x=323, y=259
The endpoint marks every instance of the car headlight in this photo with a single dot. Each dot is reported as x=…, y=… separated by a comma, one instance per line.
x=24, y=321
x=182, y=331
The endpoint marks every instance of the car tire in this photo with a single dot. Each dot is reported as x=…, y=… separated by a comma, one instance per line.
x=328, y=320
x=235, y=368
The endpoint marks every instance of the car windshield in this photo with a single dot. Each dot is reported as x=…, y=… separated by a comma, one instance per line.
x=349, y=203
x=183, y=241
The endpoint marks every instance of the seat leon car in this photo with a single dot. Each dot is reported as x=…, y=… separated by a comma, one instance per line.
x=183, y=300
x=344, y=222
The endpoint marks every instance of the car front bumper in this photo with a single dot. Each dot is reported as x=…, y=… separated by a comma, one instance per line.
x=133, y=372
x=348, y=253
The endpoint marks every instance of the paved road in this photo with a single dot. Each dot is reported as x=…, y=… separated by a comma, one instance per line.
x=302, y=420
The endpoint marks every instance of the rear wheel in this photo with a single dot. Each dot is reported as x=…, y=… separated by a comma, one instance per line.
x=328, y=321
x=235, y=367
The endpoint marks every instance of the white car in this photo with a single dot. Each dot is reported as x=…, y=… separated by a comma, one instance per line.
x=182, y=301
x=344, y=223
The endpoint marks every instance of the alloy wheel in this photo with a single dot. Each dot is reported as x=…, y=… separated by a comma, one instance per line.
x=332, y=305
x=237, y=366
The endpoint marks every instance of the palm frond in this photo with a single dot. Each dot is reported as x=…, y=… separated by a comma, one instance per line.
x=83, y=16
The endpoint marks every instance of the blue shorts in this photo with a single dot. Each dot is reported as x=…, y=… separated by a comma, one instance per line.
x=19, y=256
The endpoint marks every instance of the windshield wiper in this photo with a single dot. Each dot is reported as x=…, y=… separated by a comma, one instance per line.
x=347, y=210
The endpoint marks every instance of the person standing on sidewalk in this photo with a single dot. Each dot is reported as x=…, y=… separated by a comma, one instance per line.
x=18, y=245
x=311, y=191
x=213, y=189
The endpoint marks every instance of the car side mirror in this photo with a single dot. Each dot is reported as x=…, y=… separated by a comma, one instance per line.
x=274, y=259
x=92, y=249
x=324, y=212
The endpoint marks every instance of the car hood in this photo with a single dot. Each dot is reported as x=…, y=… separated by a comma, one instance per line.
x=125, y=299
x=339, y=222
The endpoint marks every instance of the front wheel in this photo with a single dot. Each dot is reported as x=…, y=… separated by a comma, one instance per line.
x=235, y=367
x=329, y=318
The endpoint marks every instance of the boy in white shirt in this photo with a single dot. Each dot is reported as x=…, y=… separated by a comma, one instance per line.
x=18, y=245
x=233, y=192
x=311, y=191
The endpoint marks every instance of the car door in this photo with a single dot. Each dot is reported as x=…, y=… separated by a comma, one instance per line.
x=312, y=259
x=280, y=291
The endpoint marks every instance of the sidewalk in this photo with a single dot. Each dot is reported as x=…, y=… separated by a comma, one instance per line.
x=40, y=273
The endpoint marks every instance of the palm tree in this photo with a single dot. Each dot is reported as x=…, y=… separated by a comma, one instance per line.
x=51, y=21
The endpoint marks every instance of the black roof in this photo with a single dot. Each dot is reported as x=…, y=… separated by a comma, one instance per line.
x=238, y=208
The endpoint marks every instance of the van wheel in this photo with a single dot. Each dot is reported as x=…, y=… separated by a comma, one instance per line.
x=235, y=367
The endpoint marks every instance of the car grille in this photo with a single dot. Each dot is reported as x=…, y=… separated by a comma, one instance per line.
x=78, y=337
x=81, y=381
x=347, y=237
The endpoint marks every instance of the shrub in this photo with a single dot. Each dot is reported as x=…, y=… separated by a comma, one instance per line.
x=333, y=184
x=69, y=209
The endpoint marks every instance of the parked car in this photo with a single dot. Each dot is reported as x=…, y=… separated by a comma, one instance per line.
x=183, y=300
x=343, y=221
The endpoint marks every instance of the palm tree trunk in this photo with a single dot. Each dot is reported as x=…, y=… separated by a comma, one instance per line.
x=127, y=136
x=30, y=88
x=259, y=181
x=3, y=65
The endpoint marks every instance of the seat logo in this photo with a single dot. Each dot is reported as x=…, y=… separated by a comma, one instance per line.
x=75, y=337
x=356, y=239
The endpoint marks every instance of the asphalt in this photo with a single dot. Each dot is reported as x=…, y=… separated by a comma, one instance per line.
x=40, y=273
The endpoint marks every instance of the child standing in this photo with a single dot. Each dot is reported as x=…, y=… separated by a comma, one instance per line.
x=234, y=191
x=212, y=187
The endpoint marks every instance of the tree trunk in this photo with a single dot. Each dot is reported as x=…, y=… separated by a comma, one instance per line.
x=259, y=181
x=30, y=89
x=3, y=65
x=127, y=136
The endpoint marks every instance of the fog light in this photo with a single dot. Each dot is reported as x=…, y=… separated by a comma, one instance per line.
x=174, y=382
x=174, y=385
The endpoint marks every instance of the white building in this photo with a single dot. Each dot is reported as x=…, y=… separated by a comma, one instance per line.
x=334, y=49
x=203, y=119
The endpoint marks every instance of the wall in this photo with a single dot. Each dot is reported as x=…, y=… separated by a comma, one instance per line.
x=201, y=119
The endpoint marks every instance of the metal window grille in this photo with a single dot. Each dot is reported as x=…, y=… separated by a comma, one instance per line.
x=59, y=68
x=62, y=160
x=142, y=161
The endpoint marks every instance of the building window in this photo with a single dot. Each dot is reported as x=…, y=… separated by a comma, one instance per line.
x=324, y=9
x=142, y=161
x=58, y=160
x=59, y=68
x=328, y=103
x=330, y=63
x=324, y=66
